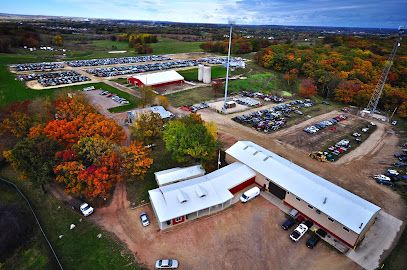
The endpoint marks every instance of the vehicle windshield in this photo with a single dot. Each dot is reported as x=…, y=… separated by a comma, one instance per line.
x=86, y=208
x=295, y=234
x=244, y=196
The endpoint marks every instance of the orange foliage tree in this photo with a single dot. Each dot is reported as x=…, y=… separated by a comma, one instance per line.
x=135, y=160
x=307, y=88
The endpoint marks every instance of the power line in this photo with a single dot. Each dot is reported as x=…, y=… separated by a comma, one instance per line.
x=36, y=219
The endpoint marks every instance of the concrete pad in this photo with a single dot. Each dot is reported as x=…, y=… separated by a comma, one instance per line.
x=378, y=239
x=218, y=105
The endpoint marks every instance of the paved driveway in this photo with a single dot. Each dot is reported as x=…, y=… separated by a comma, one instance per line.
x=379, y=239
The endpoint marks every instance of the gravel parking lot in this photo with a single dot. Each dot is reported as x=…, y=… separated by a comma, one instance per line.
x=102, y=103
x=245, y=236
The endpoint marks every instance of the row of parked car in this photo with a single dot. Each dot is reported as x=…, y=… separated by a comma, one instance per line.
x=218, y=60
x=195, y=107
x=38, y=66
x=323, y=124
x=247, y=101
x=265, y=97
x=54, y=78
x=301, y=229
x=125, y=70
x=114, y=97
x=272, y=119
x=116, y=60
x=398, y=172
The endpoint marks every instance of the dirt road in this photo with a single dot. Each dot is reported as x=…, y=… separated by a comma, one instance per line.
x=245, y=236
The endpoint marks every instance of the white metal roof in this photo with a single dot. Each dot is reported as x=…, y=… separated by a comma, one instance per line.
x=182, y=198
x=345, y=207
x=164, y=114
x=159, y=77
x=178, y=174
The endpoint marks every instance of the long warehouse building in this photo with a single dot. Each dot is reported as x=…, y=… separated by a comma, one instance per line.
x=342, y=214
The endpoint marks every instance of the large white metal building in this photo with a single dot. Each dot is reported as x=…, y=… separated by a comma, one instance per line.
x=342, y=214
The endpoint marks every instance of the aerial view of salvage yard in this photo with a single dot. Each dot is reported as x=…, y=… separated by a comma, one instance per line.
x=203, y=135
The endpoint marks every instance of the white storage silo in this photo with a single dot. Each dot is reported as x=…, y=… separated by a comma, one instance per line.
x=200, y=72
x=207, y=75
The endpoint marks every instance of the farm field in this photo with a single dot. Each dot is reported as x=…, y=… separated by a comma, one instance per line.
x=169, y=46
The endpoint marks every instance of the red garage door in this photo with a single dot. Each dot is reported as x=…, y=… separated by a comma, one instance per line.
x=242, y=185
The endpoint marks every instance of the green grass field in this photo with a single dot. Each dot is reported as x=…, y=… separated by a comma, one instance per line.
x=168, y=46
x=192, y=74
x=79, y=248
x=192, y=96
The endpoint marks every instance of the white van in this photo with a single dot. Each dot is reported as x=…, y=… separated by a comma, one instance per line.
x=250, y=194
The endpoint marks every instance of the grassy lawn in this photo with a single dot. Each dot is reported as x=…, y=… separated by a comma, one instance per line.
x=79, y=248
x=12, y=90
x=33, y=254
x=137, y=191
x=168, y=46
x=195, y=95
x=192, y=74
x=398, y=259
x=110, y=45
x=267, y=82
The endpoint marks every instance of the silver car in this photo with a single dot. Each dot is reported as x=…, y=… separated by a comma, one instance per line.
x=166, y=264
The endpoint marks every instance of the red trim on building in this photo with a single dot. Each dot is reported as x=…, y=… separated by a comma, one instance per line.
x=134, y=81
x=243, y=185
x=175, y=222
x=334, y=235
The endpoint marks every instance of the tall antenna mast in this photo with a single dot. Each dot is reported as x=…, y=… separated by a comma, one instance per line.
x=227, y=66
x=374, y=99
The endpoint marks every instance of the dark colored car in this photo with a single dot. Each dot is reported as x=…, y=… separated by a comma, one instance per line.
x=312, y=241
x=288, y=223
x=384, y=182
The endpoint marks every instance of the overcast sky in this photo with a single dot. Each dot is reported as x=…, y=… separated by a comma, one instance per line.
x=362, y=13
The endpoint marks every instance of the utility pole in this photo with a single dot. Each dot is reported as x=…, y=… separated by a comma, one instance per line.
x=227, y=68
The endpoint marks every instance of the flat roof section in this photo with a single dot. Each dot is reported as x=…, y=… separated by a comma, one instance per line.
x=169, y=176
x=189, y=196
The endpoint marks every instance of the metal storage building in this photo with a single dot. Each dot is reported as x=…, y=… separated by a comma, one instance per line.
x=156, y=79
x=178, y=174
x=342, y=214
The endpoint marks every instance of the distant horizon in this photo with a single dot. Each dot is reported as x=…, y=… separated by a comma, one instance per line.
x=324, y=13
x=180, y=22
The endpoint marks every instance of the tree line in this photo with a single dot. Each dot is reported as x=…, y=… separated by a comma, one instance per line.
x=346, y=69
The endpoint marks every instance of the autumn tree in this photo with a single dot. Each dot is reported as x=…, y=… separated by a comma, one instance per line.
x=346, y=91
x=58, y=40
x=34, y=157
x=135, y=160
x=217, y=86
x=70, y=107
x=163, y=101
x=147, y=127
x=290, y=75
x=307, y=88
x=90, y=149
x=188, y=139
x=147, y=95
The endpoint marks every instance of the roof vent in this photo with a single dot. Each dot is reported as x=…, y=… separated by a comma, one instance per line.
x=361, y=224
x=245, y=147
x=181, y=196
x=325, y=200
x=267, y=158
x=200, y=191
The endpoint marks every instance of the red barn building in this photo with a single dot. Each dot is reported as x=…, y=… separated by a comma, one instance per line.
x=156, y=79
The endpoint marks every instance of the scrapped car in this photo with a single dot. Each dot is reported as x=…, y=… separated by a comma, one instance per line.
x=381, y=177
x=145, y=221
x=288, y=223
